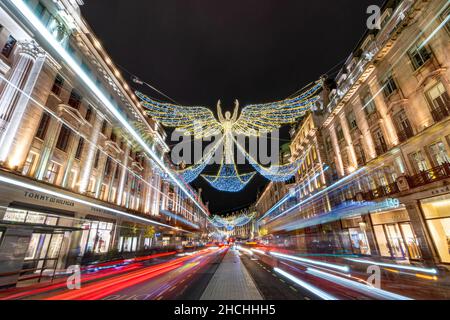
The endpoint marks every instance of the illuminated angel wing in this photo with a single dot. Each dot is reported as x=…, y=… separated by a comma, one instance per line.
x=258, y=118
x=195, y=121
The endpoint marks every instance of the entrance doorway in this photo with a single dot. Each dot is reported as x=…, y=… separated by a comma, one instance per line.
x=42, y=256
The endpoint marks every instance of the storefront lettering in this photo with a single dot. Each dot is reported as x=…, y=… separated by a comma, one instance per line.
x=42, y=197
x=440, y=191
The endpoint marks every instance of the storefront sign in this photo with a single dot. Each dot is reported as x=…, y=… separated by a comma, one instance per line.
x=48, y=199
x=390, y=217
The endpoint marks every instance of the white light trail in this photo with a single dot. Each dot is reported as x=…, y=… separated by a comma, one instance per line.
x=320, y=293
x=37, y=24
x=356, y=285
x=395, y=266
x=258, y=251
x=315, y=262
x=245, y=250
x=334, y=185
x=21, y=184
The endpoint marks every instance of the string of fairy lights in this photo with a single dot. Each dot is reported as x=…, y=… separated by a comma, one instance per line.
x=230, y=223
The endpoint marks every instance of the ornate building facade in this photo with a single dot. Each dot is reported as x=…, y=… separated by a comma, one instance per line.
x=82, y=168
x=382, y=147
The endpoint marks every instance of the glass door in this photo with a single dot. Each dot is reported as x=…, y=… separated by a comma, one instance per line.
x=395, y=241
x=43, y=254
x=410, y=240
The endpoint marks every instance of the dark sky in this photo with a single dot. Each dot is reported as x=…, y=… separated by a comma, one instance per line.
x=199, y=51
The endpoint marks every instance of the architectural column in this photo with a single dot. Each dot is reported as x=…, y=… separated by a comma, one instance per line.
x=100, y=174
x=337, y=151
x=123, y=175
x=115, y=166
x=15, y=96
x=348, y=139
x=424, y=240
x=90, y=158
x=75, y=140
x=47, y=148
x=363, y=125
x=148, y=190
x=388, y=126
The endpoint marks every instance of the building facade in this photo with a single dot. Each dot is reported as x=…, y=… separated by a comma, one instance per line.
x=83, y=170
x=384, y=137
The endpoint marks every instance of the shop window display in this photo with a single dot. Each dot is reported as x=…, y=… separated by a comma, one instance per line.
x=96, y=237
x=437, y=213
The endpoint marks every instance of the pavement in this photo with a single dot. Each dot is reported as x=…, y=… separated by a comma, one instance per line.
x=231, y=281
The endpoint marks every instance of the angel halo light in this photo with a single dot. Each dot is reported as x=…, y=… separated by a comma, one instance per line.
x=251, y=122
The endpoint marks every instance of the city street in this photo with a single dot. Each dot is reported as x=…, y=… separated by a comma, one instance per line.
x=224, y=151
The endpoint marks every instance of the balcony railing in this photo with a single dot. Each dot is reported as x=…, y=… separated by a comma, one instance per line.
x=381, y=148
x=440, y=112
x=382, y=191
x=405, y=134
x=432, y=175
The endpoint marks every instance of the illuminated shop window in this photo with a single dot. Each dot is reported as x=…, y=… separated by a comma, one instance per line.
x=96, y=237
x=437, y=213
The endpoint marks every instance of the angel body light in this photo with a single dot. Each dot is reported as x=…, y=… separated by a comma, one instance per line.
x=253, y=121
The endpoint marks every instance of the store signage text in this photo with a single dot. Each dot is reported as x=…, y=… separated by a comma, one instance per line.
x=43, y=197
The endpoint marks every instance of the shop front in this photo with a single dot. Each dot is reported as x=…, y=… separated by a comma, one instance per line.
x=96, y=236
x=354, y=236
x=436, y=211
x=395, y=236
x=41, y=248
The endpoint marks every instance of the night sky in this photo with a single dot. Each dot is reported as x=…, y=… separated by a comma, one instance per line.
x=199, y=51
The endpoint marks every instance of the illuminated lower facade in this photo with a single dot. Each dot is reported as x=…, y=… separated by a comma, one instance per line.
x=83, y=172
x=378, y=182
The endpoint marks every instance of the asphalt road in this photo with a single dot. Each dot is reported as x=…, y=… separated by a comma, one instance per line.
x=271, y=285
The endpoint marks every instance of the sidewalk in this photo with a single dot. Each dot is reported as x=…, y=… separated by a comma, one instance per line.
x=231, y=281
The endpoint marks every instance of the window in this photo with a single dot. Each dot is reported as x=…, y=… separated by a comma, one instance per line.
x=438, y=98
x=438, y=154
x=104, y=126
x=351, y=118
x=329, y=144
x=43, y=126
x=97, y=159
x=113, y=137
x=80, y=148
x=117, y=174
x=57, y=85
x=419, y=162
x=340, y=133
x=369, y=105
x=75, y=99
x=380, y=143
x=52, y=172
x=389, y=86
x=63, y=139
x=29, y=164
x=88, y=115
x=108, y=166
x=9, y=46
x=360, y=156
x=418, y=56
x=403, y=126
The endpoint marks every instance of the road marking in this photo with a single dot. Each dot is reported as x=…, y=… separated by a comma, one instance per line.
x=282, y=280
x=293, y=288
x=171, y=289
x=307, y=298
x=159, y=298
